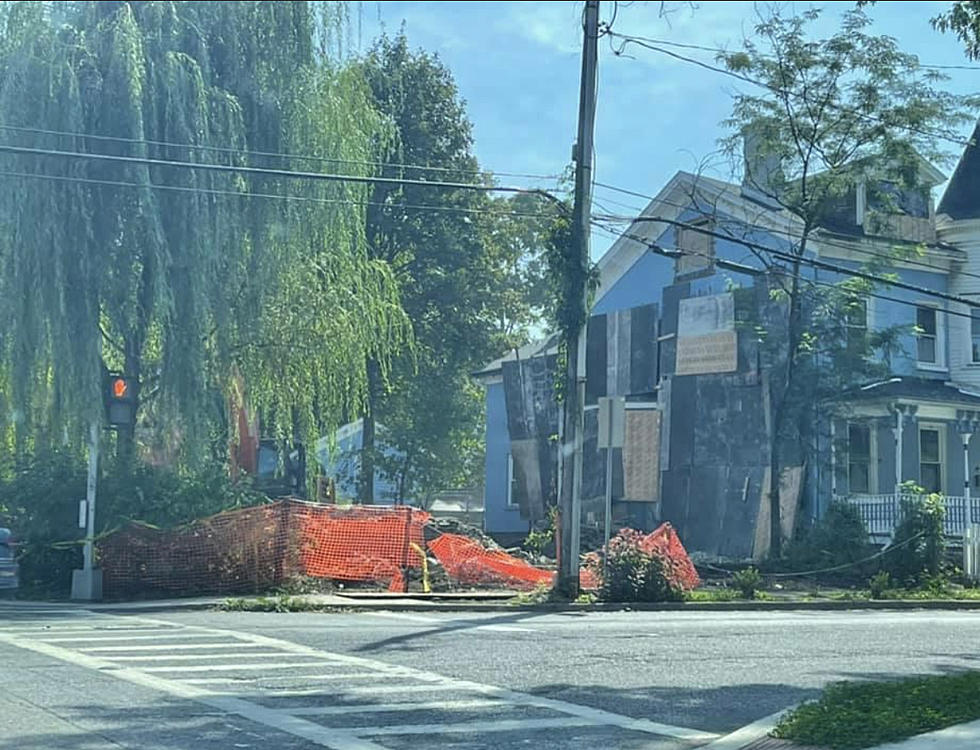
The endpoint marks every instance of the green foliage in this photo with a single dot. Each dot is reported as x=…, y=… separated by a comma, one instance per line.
x=851, y=715
x=963, y=18
x=838, y=538
x=711, y=595
x=280, y=604
x=919, y=544
x=832, y=112
x=748, y=581
x=39, y=500
x=879, y=584
x=214, y=276
x=634, y=574
x=468, y=276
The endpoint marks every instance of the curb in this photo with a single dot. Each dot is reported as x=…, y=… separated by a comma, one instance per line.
x=750, y=733
x=414, y=605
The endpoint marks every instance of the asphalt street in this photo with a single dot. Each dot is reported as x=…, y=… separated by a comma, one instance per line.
x=366, y=681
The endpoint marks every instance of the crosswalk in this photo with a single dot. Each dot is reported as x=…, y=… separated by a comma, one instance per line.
x=332, y=700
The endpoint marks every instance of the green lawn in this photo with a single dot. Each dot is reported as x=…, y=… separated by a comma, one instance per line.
x=851, y=715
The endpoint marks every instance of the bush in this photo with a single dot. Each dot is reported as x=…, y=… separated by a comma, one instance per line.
x=916, y=553
x=839, y=538
x=879, y=584
x=39, y=502
x=634, y=574
x=748, y=581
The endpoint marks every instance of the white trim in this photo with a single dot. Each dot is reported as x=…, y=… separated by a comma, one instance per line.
x=940, y=365
x=510, y=481
x=939, y=428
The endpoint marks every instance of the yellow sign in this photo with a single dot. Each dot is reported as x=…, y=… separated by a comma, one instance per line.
x=709, y=353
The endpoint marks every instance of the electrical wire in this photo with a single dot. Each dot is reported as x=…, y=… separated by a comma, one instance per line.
x=285, y=173
x=265, y=154
x=270, y=196
x=778, y=90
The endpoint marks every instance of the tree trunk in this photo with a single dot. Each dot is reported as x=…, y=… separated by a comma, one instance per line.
x=368, y=439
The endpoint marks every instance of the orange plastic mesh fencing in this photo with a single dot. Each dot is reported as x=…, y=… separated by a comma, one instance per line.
x=242, y=550
x=360, y=543
x=665, y=540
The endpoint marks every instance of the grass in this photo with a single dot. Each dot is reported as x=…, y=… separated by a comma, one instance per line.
x=853, y=715
x=278, y=604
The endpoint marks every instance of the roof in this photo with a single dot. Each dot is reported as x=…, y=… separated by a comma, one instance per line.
x=962, y=197
x=922, y=389
x=547, y=345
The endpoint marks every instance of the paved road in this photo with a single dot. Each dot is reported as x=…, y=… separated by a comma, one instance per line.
x=194, y=680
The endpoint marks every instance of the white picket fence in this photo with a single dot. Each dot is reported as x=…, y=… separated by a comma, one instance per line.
x=881, y=513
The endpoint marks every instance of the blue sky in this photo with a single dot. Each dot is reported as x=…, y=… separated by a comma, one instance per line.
x=517, y=67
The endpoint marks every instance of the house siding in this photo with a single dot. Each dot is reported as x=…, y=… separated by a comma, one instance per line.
x=498, y=517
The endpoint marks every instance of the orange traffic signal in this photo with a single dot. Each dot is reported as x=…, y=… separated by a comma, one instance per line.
x=120, y=388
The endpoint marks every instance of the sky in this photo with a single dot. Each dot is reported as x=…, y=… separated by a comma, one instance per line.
x=517, y=66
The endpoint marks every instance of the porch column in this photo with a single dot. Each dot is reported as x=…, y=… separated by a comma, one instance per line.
x=902, y=413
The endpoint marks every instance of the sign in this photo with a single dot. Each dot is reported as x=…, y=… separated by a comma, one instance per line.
x=641, y=456
x=612, y=421
x=700, y=355
x=707, y=341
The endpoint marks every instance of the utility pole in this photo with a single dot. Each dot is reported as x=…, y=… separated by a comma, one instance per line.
x=570, y=502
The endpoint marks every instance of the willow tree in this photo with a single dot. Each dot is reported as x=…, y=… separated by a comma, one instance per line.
x=183, y=277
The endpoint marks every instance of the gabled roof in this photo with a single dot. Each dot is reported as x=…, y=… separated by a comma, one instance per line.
x=962, y=197
x=545, y=346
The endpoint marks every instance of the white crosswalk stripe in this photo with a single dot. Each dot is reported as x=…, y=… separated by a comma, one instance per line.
x=300, y=690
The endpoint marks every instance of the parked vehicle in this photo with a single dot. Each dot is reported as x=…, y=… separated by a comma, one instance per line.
x=9, y=570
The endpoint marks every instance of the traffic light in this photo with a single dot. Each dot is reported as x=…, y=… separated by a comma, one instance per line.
x=120, y=399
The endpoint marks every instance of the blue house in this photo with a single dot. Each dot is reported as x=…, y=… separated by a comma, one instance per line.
x=666, y=334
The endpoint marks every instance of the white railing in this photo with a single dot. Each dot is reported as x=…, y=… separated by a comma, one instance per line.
x=881, y=513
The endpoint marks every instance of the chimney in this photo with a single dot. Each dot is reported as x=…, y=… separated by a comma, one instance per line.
x=761, y=174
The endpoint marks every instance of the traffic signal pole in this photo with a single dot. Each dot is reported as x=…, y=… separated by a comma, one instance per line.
x=86, y=584
x=570, y=502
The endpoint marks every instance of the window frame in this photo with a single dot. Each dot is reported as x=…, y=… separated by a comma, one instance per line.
x=973, y=336
x=940, y=429
x=511, y=503
x=872, y=458
x=939, y=337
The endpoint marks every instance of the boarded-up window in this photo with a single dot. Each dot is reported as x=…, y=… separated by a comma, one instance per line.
x=698, y=247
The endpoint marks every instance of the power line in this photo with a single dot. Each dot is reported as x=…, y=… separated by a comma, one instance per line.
x=267, y=172
x=755, y=271
x=778, y=90
x=268, y=154
x=723, y=51
x=271, y=196
x=824, y=241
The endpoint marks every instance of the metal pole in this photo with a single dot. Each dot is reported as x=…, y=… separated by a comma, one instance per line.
x=570, y=502
x=608, y=519
x=93, y=473
x=966, y=481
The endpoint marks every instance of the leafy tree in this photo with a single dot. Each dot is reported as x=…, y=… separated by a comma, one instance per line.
x=183, y=277
x=458, y=266
x=831, y=113
x=963, y=18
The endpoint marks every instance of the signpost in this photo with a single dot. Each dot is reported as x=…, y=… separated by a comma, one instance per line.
x=612, y=434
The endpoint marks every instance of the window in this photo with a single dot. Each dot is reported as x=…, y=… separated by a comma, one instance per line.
x=859, y=466
x=512, y=488
x=931, y=449
x=929, y=337
x=699, y=248
x=856, y=322
x=975, y=334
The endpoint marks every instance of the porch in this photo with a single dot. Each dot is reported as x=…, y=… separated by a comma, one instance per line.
x=882, y=513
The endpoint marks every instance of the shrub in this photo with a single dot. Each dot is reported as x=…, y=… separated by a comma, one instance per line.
x=879, y=584
x=916, y=553
x=748, y=582
x=839, y=538
x=635, y=574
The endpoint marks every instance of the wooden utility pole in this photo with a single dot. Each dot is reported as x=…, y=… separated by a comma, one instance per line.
x=570, y=501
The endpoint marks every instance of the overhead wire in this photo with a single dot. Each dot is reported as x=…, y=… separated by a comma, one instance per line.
x=780, y=90
x=265, y=154
x=269, y=196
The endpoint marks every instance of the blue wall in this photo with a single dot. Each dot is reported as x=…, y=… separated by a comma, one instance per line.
x=343, y=464
x=497, y=516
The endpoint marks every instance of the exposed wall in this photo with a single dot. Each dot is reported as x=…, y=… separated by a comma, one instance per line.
x=498, y=517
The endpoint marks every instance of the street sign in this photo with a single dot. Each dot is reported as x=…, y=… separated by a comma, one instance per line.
x=612, y=421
